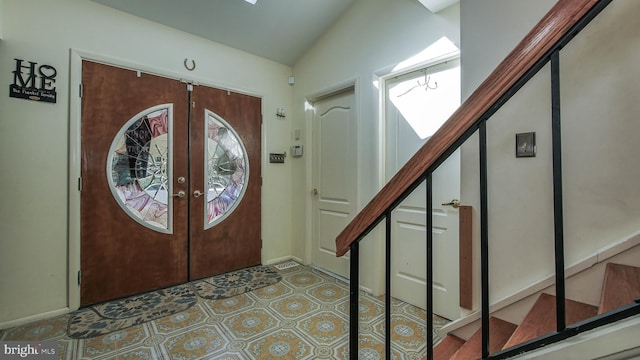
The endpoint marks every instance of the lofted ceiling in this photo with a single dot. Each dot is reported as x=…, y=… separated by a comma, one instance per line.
x=279, y=30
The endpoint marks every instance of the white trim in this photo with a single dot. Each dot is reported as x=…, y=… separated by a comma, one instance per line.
x=333, y=90
x=283, y=259
x=389, y=72
x=383, y=77
x=309, y=116
x=32, y=318
x=75, y=147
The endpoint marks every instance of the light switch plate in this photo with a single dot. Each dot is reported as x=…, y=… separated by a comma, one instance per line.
x=526, y=144
x=277, y=158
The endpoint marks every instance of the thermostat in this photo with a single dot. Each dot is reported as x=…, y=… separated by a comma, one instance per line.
x=296, y=150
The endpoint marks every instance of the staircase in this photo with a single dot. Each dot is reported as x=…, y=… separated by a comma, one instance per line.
x=621, y=286
x=540, y=50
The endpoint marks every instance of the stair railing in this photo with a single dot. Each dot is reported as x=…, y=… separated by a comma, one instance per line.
x=540, y=46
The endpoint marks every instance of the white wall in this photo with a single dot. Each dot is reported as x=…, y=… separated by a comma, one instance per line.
x=599, y=92
x=34, y=137
x=368, y=41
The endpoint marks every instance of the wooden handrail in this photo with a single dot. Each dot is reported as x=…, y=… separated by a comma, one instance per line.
x=553, y=26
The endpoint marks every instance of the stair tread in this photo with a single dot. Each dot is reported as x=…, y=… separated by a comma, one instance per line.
x=620, y=287
x=499, y=333
x=447, y=347
x=541, y=319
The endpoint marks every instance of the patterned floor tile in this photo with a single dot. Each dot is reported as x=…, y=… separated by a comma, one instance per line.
x=232, y=304
x=303, y=279
x=273, y=291
x=406, y=333
x=304, y=316
x=283, y=344
x=66, y=348
x=250, y=323
x=369, y=348
x=40, y=330
x=112, y=344
x=368, y=308
x=227, y=356
x=328, y=292
x=180, y=321
x=199, y=343
x=140, y=353
x=294, y=306
x=325, y=328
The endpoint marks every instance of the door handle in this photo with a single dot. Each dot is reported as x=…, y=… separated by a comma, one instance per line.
x=455, y=203
x=197, y=193
x=315, y=192
x=180, y=194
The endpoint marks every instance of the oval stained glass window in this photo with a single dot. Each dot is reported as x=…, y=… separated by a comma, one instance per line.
x=139, y=167
x=226, y=169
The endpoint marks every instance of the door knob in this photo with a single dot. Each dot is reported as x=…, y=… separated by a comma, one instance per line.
x=197, y=193
x=455, y=203
x=180, y=194
x=315, y=191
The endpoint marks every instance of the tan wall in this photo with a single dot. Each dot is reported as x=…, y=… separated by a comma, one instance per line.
x=34, y=137
x=372, y=38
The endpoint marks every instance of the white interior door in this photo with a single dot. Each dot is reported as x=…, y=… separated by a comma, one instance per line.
x=334, y=177
x=417, y=104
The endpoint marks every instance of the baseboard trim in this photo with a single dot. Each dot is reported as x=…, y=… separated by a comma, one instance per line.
x=32, y=318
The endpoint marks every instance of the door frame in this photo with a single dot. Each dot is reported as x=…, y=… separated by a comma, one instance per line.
x=384, y=77
x=316, y=166
x=368, y=283
x=75, y=148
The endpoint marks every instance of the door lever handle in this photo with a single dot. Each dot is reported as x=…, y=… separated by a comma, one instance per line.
x=180, y=194
x=455, y=203
x=197, y=193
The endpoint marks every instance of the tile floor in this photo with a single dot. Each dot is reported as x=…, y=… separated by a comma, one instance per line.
x=305, y=316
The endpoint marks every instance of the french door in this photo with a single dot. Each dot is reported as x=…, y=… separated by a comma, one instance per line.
x=170, y=182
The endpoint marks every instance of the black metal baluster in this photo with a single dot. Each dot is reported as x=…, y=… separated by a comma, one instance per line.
x=354, y=285
x=558, y=218
x=429, y=214
x=387, y=319
x=484, y=238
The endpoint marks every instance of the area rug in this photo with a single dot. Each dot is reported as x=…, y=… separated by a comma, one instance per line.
x=236, y=282
x=120, y=314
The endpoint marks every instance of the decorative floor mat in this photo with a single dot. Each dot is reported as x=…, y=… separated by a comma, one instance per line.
x=236, y=282
x=134, y=310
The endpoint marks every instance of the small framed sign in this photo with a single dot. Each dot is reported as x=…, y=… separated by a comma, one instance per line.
x=34, y=82
x=526, y=144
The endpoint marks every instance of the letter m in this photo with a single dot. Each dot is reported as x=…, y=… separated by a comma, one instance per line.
x=18, y=78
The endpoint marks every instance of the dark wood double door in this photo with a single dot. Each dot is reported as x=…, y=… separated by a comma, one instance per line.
x=170, y=188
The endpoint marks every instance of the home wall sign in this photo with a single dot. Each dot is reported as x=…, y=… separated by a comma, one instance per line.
x=33, y=82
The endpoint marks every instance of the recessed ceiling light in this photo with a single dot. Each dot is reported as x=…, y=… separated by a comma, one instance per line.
x=251, y=1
